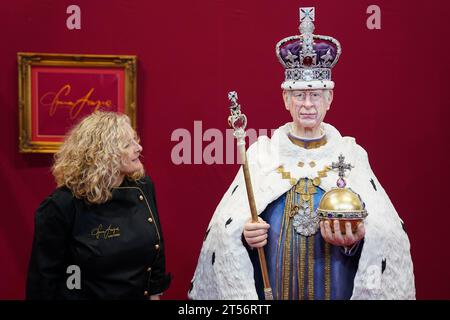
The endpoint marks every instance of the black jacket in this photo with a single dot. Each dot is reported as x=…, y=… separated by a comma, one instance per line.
x=117, y=246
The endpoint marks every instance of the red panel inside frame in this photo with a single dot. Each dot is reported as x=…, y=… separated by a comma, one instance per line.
x=62, y=96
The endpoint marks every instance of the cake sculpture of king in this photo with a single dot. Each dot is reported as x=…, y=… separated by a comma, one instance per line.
x=327, y=226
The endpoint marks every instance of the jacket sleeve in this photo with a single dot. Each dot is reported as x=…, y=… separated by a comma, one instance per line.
x=46, y=272
x=159, y=281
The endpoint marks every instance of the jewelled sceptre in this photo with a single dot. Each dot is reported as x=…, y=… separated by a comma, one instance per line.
x=238, y=121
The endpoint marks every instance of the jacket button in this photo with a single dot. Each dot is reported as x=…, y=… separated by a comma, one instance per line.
x=141, y=197
x=146, y=293
x=149, y=269
x=150, y=220
x=157, y=246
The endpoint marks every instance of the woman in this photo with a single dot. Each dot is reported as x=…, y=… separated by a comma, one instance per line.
x=98, y=236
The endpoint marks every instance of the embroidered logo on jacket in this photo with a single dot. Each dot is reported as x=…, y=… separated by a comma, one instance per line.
x=108, y=233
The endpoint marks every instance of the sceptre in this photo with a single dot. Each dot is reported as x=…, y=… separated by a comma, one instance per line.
x=238, y=121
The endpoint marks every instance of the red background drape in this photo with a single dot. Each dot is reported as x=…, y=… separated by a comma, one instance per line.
x=390, y=94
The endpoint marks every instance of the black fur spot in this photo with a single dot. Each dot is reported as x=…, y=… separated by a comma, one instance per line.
x=310, y=85
x=383, y=265
x=234, y=189
x=213, y=258
x=403, y=226
x=206, y=234
x=228, y=222
x=373, y=184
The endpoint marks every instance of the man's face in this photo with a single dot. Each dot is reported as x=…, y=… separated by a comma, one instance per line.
x=307, y=107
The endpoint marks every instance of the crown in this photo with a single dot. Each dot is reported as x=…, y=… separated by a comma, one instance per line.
x=308, y=58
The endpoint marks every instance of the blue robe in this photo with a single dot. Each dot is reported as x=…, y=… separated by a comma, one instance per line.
x=313, y=268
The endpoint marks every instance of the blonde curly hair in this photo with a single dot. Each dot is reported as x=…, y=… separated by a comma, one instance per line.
x=89, y=161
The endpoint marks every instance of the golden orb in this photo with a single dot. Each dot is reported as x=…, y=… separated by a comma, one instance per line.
x=343, y=205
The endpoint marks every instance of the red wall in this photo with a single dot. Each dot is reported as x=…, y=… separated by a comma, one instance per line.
x=390, y=94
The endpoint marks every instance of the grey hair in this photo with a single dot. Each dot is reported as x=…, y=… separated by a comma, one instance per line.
x=327, y=95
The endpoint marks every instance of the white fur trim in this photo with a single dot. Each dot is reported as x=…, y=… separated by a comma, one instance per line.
x=305, y=85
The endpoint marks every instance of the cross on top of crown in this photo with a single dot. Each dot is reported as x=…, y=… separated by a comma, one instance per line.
x=307, y=14
x=307, y=18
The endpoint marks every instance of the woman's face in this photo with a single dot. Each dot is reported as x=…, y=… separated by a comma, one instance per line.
x=130, y=159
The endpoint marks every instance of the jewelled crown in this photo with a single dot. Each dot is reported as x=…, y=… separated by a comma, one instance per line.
x=308, y=58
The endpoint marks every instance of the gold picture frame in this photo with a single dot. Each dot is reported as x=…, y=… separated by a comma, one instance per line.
x=57, y=90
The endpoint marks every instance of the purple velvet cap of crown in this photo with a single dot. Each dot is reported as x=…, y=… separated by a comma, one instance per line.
x=320, y=46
